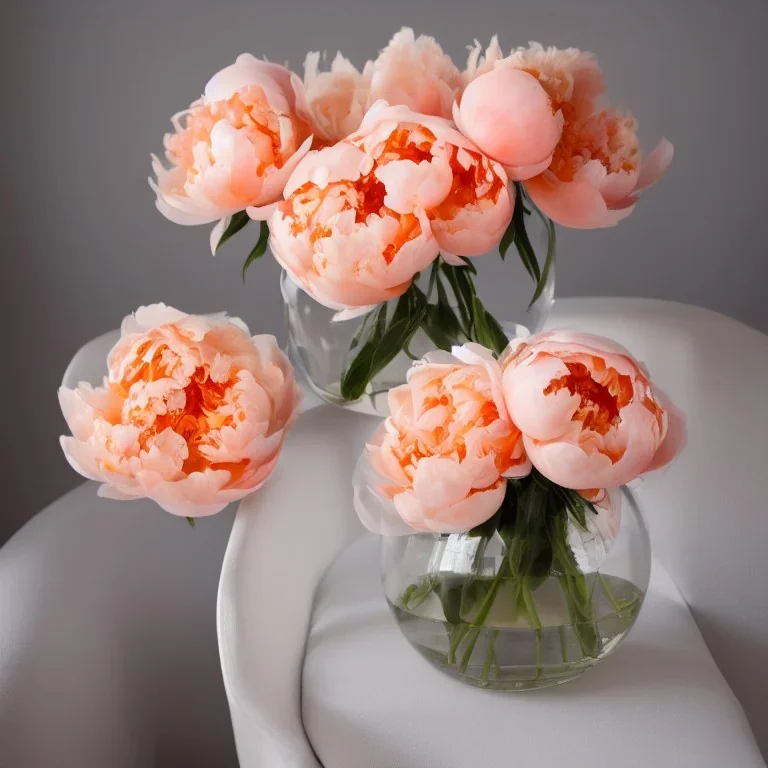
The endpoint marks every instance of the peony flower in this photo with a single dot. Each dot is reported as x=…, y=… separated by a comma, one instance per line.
x=235, y=147
x=440, y=461
x=597, y=172
x=572, y=78
x=192, y=413
x=414, y=72
x=361, y=218
x=515, y=108
x=588, y=413
x=509, y=116
x=336, y=100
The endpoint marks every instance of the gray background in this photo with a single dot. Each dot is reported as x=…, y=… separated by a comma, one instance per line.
x=90, y=85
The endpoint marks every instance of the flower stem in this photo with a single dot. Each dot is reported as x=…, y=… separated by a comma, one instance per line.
x=457, y=635
x=533, y=616
x=482, y=614
x=490, y=656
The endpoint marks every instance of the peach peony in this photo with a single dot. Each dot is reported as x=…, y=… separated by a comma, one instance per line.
x=337, y=99
x=192, y=414
x=588, y=413
x=414, y=72
x=511, y=119
x=361, y=218
x=236, y=147
x=440, y=460
x=597, y=172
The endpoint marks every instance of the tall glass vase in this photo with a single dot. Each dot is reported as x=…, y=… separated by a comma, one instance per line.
x=347, y=364
x=527, y=606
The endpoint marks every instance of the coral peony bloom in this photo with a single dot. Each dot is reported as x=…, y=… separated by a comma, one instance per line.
x=336, y=100
x=440, y=460
x=509, y=116
x=237, y=145
x=414, y=72
x=361, y=218
x=511, y=119
x=192, y=414
x=597, y=172
x=588, y=413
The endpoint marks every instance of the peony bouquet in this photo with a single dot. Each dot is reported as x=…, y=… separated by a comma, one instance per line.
x=376, y=190
x=503, y=478
x=513, y=554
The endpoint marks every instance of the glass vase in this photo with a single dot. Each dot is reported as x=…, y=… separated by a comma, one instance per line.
x=484, y=301
x=471, y=605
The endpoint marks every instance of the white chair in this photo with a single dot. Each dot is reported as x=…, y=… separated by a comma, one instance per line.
x=336, y=685
x=108, y=653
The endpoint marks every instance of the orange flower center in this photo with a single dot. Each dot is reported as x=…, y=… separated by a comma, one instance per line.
x=246, y=110
x=600, y=406
x=196, y=421
x=470, y=185
x=607, y=137
x=449, y=438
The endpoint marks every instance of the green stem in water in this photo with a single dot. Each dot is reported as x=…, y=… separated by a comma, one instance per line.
x=457, y=635
x=533, y=616
x=563, y=644
x=482, y=614
x=489, y=657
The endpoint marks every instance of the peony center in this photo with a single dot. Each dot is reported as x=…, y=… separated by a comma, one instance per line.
x=599, y=408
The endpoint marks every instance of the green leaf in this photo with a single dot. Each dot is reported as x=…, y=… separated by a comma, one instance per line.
x=379, y=349
x=236, y=223
x=440, y=322
x=507, y=239
x=449, y=590
x=191, y=521
x=463, y=299
x=488, y=528
x=547, y=264
x=522, y=241
x=433, y=326
x=434, y=275
x=488, y=332
x=415, y=594
x=469, y=266
x=259, y=249
x=372, y=326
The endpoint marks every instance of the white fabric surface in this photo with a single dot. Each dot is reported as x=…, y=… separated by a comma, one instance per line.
x=283, y=539
x=108, y=638
x=706, y=515
x=370, y=700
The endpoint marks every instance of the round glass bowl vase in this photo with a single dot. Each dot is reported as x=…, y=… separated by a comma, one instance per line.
x=462, y=610
x=517, y=290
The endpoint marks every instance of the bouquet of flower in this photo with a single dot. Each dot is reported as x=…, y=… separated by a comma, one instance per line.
x=377, y=189
x=525, y=453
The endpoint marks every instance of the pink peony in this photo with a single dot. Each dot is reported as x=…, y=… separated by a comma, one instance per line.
x=514, y=108
x=439, y=462
x=192, y=415
x=597, y=172
x=337, y=99
x=588, y=413
x=236, y=146
x=414, y=72
x=361, y=218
